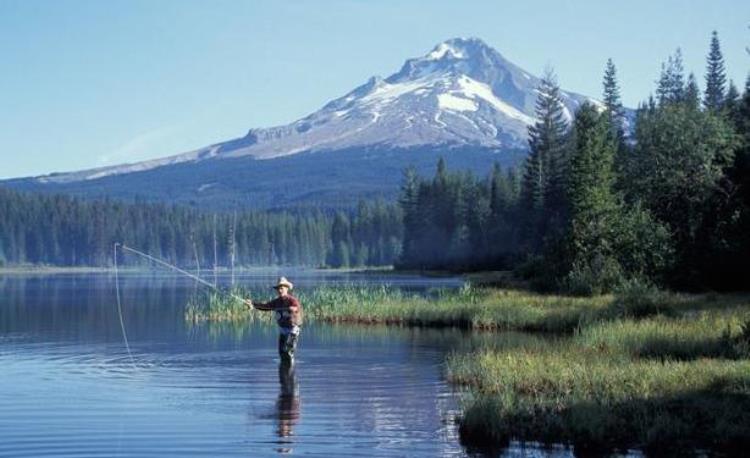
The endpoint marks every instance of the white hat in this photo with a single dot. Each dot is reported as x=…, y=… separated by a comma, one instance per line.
x=283, y=282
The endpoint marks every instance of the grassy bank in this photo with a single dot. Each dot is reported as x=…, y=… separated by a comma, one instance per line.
x=667, y=382
x=594, y=401
x=469, y=308
x=642, y=368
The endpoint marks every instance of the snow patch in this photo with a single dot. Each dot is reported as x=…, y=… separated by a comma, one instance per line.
x=600, y=106
x=387, y=92
x=451, y=102
x=442, y=49
x=471, y=88
x=470, y=121
x=438, y=120
x=566, y=113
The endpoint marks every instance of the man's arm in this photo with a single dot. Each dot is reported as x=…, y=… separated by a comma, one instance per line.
x=265, y=306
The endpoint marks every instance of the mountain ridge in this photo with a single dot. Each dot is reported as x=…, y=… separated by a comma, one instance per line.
x=461, y=96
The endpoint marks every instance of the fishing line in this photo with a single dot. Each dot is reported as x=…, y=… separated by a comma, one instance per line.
x=165, y=264
x=119, y=309
x=177, y=269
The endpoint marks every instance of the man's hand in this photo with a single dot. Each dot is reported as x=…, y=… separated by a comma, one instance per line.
x=248, y=303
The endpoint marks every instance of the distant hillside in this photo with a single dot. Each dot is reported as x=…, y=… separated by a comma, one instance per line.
x=462, y=100
x=333, y=179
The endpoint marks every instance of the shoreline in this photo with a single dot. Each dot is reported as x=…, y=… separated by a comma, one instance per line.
x=631, y=371
x=375, y=270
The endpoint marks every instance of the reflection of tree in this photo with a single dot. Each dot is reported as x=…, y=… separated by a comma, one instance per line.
x=288, y=402
x=82, y=306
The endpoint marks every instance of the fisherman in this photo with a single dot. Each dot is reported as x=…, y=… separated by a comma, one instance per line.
x=288, y=317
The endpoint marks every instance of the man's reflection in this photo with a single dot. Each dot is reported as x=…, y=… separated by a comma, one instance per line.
x=288, y=403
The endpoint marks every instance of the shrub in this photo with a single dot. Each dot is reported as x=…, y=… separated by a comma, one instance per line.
x=600, y=275
x=637, y=298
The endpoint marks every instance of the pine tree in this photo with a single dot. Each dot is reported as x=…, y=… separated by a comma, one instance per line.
x=593, y=206
x=533, y=182
x=613, y=104
x=671, y=84
x=715, y=76
x=678, y=162
x=408, y=200
x=732, y=103
x=542, y=189
x=612, y=96
x=692, y=93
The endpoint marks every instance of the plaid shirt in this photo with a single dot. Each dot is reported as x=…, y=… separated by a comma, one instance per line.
x=287, y=308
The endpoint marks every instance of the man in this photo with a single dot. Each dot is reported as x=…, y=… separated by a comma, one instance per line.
x=288, y=316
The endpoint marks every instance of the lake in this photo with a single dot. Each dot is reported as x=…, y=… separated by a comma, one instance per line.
x=69, y=388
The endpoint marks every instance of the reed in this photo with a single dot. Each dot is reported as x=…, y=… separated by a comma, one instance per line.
x=468, y=307
x=679, y=380
x=222, y=306
x=699, y=335
x=582, y=397
x=641, y=368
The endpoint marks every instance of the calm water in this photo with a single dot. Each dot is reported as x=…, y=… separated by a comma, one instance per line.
x=68, y=387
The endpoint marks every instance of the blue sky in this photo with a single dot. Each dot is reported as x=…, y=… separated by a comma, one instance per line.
x=91, y=83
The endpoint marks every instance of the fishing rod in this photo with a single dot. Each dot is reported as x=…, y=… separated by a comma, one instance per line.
x=165, y=264
x=176, y=269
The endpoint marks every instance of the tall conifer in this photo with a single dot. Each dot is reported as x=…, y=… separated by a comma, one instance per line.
x=542, y=187
x=671, y=85
x=715, y=76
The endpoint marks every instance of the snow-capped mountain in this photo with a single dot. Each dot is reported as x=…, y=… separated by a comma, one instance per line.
x=461, y=93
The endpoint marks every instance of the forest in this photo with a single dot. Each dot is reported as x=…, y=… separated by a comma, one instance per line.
x=604, y=199
x=61, y=230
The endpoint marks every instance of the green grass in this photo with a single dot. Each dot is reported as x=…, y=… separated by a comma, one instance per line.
x=578, y=397
x=222, y=307
x=643, y=368
x=704, y=334
x=663, y=382
x=468, y=307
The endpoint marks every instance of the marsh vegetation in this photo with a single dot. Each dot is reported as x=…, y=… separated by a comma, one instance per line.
x=640, y=368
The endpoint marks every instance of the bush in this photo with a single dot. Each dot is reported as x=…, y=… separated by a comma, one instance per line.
x=535, y=269
x=643, y=244
x=638, y=298
x=601, y=275
x=741, y=344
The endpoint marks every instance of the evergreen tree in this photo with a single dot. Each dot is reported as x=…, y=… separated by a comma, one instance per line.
x=715, y=76
x=616, y=112
x=692, y=93
x=408, y=200
x=732, y=104
x=593, y=206
x=542, y=188
x=612, y=100
x=671, y=84
x=82, y=232
x=677, y=165
x=340, y=241
x=729, y=255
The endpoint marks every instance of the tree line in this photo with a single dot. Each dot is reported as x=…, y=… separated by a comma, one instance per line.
x=604, y=198
x=67, y=231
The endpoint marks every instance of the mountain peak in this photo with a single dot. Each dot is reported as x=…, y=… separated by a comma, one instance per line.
x=461, y=93
x=469, y=56
x=458, y=48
